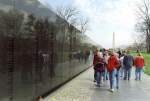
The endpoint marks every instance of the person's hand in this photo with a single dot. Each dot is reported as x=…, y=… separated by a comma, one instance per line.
x=91, y=65
x=41, y=99
x=144, y=68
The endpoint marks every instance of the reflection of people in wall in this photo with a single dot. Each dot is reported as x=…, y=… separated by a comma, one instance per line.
x=52, y=56
x=39, y=66
x=86, y=55
x=45, y=68
x=40, y=98
x=45, y=60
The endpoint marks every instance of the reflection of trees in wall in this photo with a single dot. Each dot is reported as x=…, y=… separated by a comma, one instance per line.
x=25, y=38
x=70, y=41
x=74, y=40
x=52, y=48
x=52, y=54
x=45, y=44
x=38, y=30
x=61, y=26
x=79, y=40
x=45, y=36
x=25, y=49
x=29, y=26
x=11, y=22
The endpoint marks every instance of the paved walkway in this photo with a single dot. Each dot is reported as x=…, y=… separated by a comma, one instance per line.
x=82, y=88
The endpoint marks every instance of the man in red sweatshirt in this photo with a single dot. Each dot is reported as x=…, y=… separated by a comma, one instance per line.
x=113, y=69
x=139, y=65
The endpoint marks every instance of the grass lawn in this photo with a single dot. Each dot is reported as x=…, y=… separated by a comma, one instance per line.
x=147, y=62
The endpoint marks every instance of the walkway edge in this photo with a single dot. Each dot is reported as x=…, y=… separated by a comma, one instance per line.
x=60, y=85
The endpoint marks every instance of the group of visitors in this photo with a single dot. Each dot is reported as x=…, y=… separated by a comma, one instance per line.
x=110, y=65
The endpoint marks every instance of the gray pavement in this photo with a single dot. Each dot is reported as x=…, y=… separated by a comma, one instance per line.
x=82, y=88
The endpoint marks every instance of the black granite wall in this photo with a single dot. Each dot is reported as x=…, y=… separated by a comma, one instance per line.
x=37, y=53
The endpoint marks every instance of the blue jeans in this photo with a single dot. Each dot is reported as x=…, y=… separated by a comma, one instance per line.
x=112, y=78
x=121, y=71
x=105, y=74
x=127, y=73
x=99, y=77
x=138, y=72
x=117, y=78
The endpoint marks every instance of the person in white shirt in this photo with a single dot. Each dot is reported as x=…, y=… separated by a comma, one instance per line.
x=122, y=66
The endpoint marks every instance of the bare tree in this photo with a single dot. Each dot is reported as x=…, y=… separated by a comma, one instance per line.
x=69, y=14
x=143, y=24
x=139, y=43
x=83, y=26
x=73, y=17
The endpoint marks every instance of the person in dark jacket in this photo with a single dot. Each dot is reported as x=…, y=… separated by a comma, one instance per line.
x=97, y=55
x=95, y=62
x=119, y=53
x=128, y=62
x=99, y=68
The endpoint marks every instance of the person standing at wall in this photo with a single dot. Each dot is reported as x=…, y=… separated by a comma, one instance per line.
x=139, y=65
x=95, y=60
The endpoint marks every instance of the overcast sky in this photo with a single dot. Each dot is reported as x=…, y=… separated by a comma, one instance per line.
x=106, y=17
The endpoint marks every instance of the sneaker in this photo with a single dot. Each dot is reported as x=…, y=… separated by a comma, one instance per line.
x=101, y=82
x=98, y=85
x=117, y=87
x=111, y=90
x=124, y=78
x=94, y=81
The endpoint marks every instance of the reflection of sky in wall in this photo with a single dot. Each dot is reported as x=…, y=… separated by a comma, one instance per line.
x=5, y=7
x=106, y=17
x=28, y=7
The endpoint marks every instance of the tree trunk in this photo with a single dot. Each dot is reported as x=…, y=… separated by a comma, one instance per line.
x=147, y=41
x=148, y=49
x=148, y=46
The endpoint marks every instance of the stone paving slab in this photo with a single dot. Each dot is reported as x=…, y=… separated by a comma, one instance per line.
x=82, y=88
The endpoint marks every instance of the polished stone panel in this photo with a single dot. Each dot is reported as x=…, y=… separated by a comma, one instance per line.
x=36, y=52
